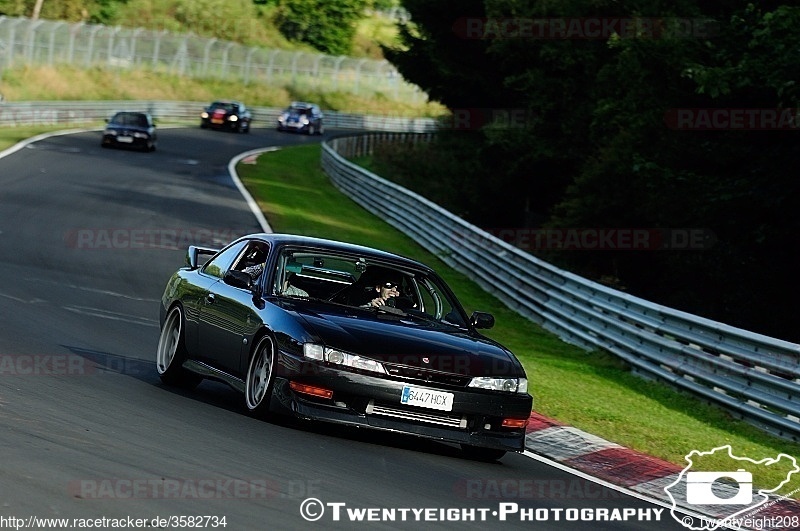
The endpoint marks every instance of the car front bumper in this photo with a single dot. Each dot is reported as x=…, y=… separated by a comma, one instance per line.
x=132, y=142
x=374, y=402
x=293, y=126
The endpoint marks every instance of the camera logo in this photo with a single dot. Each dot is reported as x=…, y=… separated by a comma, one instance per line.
x=707, y=501
x=701, y=487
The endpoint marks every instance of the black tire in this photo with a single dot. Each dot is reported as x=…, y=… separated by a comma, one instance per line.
x=171, y=352
x=321, y=129
x=311, y=130
x=478, y=453
x=260, y=378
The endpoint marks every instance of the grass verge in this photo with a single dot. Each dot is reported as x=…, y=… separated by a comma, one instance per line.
x=65, y=83
x=593, y=391
x=11, y=135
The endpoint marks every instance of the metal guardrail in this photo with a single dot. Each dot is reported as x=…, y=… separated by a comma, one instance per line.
x=87, y=112
x=754, y=376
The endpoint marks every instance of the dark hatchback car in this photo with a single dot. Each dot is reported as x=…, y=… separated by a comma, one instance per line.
x=301, y=117
x=228, y=115
x=131, y=129
x=341, y=333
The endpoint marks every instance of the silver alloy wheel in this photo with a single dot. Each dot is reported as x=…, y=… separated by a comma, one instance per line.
x=259, y=375
x=169, y=341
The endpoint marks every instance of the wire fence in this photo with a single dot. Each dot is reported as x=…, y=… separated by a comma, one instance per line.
x=43, y=42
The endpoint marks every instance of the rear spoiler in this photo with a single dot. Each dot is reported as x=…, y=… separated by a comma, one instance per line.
x=194, y=252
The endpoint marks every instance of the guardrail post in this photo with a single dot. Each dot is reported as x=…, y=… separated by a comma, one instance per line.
x=755, y=377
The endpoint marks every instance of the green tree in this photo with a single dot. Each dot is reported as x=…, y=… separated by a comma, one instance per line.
x=327, y=25
x=96, y=11
x=603, y=130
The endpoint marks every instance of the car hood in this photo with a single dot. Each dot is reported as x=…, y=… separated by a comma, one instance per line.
x=407, y=341
x=120, y=127
x=296, y=115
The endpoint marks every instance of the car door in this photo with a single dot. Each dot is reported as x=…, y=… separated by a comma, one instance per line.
x=228, y=317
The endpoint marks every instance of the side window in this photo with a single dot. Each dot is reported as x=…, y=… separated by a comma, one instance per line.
x=253, y=259
x=221, y=263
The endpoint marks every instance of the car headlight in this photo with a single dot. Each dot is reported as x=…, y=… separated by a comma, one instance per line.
x=283, y=117
x=140, y=135
x=313, y=351
x=112, y=132
x=305, y=121
x=204, y=115
x=233, y=118
x=508, y=385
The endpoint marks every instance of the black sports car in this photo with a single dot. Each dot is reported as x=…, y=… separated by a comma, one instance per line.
x=301, y=117
x=230, y=115
x=337, y=332
x=130, y=129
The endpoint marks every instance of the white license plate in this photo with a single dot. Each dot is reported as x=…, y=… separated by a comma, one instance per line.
x=428, y=398
x=125, y=139
x=216, y=120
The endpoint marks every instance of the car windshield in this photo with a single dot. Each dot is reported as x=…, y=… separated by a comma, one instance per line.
x=359, y=281
x=223, y=106
x=129, y=118
x=300, y=110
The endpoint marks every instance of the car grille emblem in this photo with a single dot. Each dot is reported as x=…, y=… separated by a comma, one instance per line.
x=426, y=360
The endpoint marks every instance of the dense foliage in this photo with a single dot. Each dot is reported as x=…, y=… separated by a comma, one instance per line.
x=97, y=11
x=328, y=26
x=603, y=144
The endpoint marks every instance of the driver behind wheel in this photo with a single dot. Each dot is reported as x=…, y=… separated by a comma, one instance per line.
x=386, y=292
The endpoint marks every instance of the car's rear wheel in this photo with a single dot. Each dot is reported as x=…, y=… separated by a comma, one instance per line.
x=482, y=454
x=171, y=352
x=260, y=376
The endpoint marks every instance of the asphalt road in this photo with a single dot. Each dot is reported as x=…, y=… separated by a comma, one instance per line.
x=89, y=237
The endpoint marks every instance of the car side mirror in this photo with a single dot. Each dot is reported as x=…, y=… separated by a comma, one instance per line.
x=481, y=320
x=237, y=279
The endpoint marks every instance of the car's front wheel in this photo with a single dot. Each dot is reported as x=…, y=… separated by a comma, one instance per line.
x=482, y=454
x=172, y=353
x=260, y=376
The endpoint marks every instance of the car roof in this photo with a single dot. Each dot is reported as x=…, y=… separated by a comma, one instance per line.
x=334, y=245
x=135, y=113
